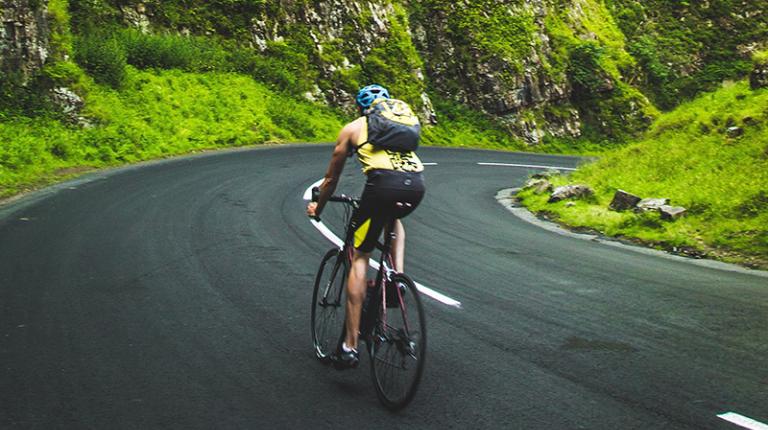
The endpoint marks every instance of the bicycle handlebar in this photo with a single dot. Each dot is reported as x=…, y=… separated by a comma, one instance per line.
x=343, y=198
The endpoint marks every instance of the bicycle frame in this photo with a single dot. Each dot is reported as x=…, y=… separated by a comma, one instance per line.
x=395, y=342
x=386, y=265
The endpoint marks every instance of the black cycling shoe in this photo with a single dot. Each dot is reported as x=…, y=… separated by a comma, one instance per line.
x=343, y=360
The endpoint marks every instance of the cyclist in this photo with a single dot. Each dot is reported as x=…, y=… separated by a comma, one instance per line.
x=393, y=188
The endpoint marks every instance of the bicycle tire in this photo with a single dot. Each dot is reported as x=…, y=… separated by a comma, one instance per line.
x=328, y=303
x=398, y=347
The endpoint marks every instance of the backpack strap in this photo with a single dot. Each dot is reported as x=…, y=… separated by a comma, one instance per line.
x=354, y=147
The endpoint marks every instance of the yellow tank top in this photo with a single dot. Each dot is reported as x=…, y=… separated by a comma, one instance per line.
x=373, y=158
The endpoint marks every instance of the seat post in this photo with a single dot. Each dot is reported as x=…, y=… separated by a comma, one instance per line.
x=389, y=235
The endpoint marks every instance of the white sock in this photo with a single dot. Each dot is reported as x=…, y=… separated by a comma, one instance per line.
x=345, y=348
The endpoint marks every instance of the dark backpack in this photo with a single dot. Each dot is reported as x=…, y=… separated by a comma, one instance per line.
x=392, y=125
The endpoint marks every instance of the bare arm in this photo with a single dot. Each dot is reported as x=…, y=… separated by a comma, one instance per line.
x=335, y=168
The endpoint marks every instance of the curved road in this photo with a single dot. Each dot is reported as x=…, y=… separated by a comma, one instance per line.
x=176, y=295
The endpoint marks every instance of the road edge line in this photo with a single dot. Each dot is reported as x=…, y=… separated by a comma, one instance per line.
x=505, y=197
x=742, y=421
x=530, y=166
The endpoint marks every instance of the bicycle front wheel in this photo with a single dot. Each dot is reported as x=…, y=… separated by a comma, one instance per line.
x=328, y=302
x=398, y=346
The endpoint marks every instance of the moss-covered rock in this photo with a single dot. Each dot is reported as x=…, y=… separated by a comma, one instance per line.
x=24, y=38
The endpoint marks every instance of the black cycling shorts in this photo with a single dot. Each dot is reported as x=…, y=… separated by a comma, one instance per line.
x=388, y=194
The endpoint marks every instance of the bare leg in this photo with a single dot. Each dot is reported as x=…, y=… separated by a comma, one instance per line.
x=398, y=247
x=356, y=290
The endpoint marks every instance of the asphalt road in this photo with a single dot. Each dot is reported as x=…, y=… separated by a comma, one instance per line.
x=177, y=295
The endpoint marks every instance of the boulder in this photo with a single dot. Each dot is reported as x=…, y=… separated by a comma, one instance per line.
x=69, y=102
x=539, y=185
x=759, y=76
x=623, y=200
x=651, y=204
x=671, y=212
x=570, y=192
x=734, y=131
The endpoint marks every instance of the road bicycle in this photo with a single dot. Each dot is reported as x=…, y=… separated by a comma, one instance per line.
x=392, y=324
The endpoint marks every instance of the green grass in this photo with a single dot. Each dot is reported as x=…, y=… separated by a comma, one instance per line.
x=155, y=114
x=689, y=158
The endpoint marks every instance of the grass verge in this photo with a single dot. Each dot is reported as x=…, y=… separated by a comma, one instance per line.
x=710, y=156
x=155, y=114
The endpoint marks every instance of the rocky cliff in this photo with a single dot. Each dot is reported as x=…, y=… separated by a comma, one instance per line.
x=509, y=59
x=24, y=37
x=540, y=68
x=347, y=41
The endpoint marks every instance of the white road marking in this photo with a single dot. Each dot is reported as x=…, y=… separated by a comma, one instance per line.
x=742, y=421
x=532, y=166
x=308, y=192
x=442, y=298
x=429, y=164
x=325, y=231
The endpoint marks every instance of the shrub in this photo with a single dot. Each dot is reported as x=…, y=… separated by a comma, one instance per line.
x=146, y=50
x=18, y=97
x=586, y=73
x=168, y=51
x=102, y=57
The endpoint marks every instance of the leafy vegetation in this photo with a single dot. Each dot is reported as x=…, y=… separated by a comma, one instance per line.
x=229, y=18
x=687, y=47
x=395, y=63
x=102, y=57
x=691, y=157
x=592, y=51
x=156, y=114
x=460, y=126
x=61, y=35
x=760, y=57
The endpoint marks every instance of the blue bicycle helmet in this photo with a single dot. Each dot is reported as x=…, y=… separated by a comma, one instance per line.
x=368, y=94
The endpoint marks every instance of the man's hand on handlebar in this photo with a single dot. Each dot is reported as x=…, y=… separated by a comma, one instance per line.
x=312, y=206
x=311, y=210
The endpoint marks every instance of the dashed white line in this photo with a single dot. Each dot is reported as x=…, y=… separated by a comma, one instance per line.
x=325, y=231
x=532, y=166
x=742, y=421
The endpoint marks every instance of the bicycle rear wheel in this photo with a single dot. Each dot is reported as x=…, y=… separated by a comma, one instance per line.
x=328, y=302
x=398, y=346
